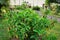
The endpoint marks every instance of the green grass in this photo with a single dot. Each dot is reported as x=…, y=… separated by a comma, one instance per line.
x=56, y=30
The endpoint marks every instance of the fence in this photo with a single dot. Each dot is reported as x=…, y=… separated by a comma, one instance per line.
x=31, y=2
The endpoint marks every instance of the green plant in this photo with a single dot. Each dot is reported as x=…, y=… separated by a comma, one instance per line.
x=22, y=6
x=26, y=25
x=55, y=9
x=36, y=8
x=47, y=2
x=58, y=9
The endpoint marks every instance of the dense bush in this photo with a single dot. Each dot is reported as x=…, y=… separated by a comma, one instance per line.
x=58, y=10
x=22, y=6
x=55, y=9
x=26, y=25
x=36, y=8
x=47, y=2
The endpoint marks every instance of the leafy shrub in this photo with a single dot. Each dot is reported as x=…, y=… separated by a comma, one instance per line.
x=26, y=25
x=47, y=11
x=47, y=2
x=55, y=8
x=58, y=9
x=36, y=8
x=22, y=6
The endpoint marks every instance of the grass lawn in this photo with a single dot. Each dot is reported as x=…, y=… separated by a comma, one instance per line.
x=56, y=30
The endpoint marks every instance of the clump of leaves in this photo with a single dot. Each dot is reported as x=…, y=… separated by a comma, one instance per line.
x=26, y=25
